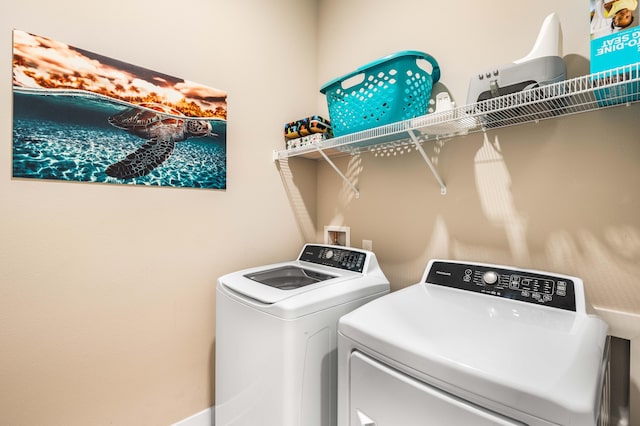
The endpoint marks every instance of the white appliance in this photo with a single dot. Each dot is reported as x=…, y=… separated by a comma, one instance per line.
x=276, y=337
x=473, y=344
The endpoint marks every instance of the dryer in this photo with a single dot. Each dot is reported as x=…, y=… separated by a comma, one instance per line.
x=474, y=344
x=276, y=335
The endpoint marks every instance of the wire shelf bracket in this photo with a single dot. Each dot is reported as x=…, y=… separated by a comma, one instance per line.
x=342, y=175
x=418, y=145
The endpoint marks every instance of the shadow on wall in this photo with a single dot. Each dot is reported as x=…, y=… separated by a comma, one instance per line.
x=559, y=195
x=299, y=177
x=299, y=180
x=494, y=190
x=567, y=204
x=577, y=65
x=348, y=192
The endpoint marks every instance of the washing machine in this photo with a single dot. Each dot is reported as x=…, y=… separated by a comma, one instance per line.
x=474, y=344
x=276, y=335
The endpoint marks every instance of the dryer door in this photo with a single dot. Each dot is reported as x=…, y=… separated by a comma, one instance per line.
x=382, y=396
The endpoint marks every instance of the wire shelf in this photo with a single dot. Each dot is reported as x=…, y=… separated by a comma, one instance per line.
x=619, y=86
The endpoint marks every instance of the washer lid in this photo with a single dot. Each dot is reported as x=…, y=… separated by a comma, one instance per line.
x=539, y=360
x=272, y=284
x=288, y=277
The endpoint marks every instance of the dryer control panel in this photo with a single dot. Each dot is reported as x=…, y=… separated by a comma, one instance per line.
x=527, y=286
x=337, y=257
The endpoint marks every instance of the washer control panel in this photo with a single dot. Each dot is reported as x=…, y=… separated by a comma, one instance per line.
x=526, y=286
x=336, y=257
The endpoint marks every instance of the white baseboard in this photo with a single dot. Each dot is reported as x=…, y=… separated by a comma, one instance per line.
x=203, y=418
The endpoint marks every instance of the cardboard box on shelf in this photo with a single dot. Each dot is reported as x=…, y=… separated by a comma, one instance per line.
x=615, y=34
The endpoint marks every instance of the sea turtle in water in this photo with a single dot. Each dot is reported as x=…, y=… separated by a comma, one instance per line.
x=162, y=130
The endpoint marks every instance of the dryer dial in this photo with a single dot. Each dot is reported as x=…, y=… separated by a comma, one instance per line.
x=490, y=277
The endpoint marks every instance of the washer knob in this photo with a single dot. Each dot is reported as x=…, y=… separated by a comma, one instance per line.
x=490, y=277
x=328, y=254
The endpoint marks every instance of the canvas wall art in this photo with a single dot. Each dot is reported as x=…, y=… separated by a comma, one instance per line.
x=81, y=116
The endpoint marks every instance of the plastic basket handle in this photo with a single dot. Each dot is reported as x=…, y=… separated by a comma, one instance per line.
x=435, y=72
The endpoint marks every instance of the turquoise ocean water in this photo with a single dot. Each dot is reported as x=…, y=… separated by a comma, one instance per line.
x=67, y=137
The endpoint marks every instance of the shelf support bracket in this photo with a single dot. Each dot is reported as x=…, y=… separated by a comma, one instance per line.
x=344, y=178
x=414, y=139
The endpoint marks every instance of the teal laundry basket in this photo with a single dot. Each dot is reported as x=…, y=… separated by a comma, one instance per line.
x=390, y=89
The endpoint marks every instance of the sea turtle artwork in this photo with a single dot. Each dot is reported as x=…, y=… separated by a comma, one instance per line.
x=162, y=126
x=82, y=116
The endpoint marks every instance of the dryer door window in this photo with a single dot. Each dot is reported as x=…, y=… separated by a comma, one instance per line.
x=382, y=396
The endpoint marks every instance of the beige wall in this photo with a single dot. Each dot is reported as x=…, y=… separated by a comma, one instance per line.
x=561, y=195
x=107, y=292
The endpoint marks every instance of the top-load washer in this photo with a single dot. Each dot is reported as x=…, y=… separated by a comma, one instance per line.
x=276, y=340
x=474, y=344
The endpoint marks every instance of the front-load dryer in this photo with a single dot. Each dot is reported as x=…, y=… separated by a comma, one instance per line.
x=276, y=342
x=473, y=344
